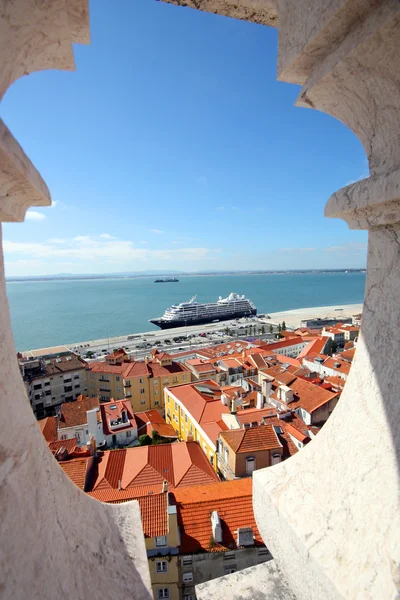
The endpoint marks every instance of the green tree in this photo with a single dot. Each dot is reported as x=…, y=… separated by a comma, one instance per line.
x=333, y=347
x=271, y=329
x=89, y=354
x=283, y=326
x=144, y=440
x=262, y=330
x=279, y=327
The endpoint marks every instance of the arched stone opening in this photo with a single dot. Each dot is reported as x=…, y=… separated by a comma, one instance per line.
x=330, y=515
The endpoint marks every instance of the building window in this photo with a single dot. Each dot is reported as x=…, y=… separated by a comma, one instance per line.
x=187, y=577
x=92, y=385
x=156, y=403
x=163, y=593
x=76, y=376
x=187, y=560
x=176, y=406
x=141, y=380
x=165, y=379
x=118, y=388
x=250, y=465
x=155, y=382
x=276, y=458
x=161, y=566
x=161, y=540
x=229, y=555
x=91, y=376
x=37, y=386
x=48, y=392
x=156, y=392
x=143, y=401
x=184, y=377
x=189, y=597
x=47, y=383
x=118, y=378
x=142, y=390
x=185, y=418
x=77, y=386
x=63, y=437
x=37, y=396
x=128, y=433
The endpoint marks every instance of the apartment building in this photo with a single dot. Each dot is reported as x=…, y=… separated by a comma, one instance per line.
x=56, y=377
x=141, y=382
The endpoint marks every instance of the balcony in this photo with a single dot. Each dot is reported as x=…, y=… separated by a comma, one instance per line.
x=104, y=389
x=127, y=384
x=105, y=379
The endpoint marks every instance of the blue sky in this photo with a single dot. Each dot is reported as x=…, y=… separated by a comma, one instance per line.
x=172, y=146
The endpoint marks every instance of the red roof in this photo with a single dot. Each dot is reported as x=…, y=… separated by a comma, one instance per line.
x=253, y=439
x=337, y=364
x=180, y=464
x=153, y=509
x=74, y=413
x=112, y=411
x=48, y=427
x=234, y=503
x=151, y=420
x=314, y=347
x=308, y=396
x=76, y=470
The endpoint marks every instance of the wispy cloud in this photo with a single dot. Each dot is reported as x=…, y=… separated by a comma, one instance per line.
x=56, y=241
x=351, y=247
x=32, y=215
x=107, y=236
x=157, y=231
x=289, y=250
x=86, y=249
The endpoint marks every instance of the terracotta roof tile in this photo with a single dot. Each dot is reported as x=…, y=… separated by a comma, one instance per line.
x=74, y=413
x=234, y=504
x=154, y=514
x=253, y=439
x=76, y=470
x=48, y=427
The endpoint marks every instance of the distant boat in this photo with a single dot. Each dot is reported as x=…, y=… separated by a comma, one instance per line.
x=167, y=280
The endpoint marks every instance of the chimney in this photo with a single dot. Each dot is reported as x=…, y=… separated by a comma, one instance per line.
x=165, y=487
x=233, y=407
x=119, y=485
x=260, y=400
x=216, y=527
x=146, y=360
x=224, y=399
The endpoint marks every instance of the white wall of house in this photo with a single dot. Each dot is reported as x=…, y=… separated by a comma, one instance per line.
x=55, y=390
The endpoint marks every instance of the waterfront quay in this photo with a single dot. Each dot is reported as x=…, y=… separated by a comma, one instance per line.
x=195, y=336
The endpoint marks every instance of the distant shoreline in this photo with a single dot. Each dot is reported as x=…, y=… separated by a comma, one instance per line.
x=110, y=277
x=292, y=320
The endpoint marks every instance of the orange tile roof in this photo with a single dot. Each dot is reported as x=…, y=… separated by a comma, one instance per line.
x=103, y=367
x=48, y=427
x=283, y=376
x=74, y=413
x=316, y=346
x=254, y=415
x=288, y=360
x=76, y=470
x=180, y=464
x=204, y=407
x=308, y=396
x=69, y=445
x=153, y=510
x=283, y=344
x=337, y=364
x=151, y=420
x=234, y=503
x=112, y=411
x=348, y=355
x=253, y=439
x=298, y=435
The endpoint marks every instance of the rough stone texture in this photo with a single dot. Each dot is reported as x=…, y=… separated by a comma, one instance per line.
x=21, y=186
x=55, y=541
x=261, y=582
x=263, y=12
x=331, y=514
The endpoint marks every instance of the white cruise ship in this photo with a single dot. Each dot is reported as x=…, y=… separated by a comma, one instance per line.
x=194, y=313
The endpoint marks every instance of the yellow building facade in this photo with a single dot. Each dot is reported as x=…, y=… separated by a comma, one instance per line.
x=187, y=427
x=141, y=382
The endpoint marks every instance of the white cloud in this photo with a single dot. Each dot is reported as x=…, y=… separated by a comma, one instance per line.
x=54, y=203
x=81, y=238
x=56, y=241
x=88, y=250
x=157, y=231
x=352, y=247
x=107, y=236
x=32, y=215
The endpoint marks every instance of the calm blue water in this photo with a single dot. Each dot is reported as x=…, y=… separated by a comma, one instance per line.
x=56, y=312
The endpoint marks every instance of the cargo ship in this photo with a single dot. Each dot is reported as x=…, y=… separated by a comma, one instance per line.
x=195, y=313
x=167, y=280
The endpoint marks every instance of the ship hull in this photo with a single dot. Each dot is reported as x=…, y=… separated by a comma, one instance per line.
x=174, y=324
